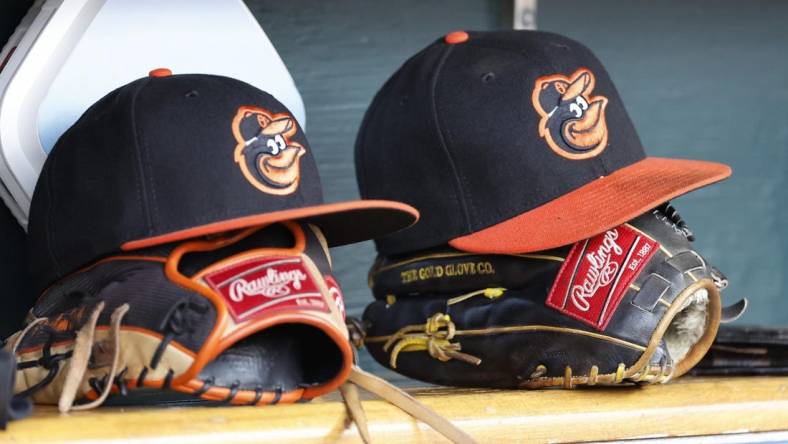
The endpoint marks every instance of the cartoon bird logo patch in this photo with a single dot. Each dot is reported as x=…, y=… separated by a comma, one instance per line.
x=268, y=158
x=572, y=121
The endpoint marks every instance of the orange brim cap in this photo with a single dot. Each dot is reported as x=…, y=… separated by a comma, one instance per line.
x=595, y=207
x=341, y=222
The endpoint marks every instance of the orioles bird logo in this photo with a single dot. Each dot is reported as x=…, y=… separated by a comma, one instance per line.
x=572, y=122
x=268, y=158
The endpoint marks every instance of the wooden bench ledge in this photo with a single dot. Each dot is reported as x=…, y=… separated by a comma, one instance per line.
x=687, y=407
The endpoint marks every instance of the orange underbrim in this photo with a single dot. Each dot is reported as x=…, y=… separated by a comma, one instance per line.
x=342, y=222
x=595, y=207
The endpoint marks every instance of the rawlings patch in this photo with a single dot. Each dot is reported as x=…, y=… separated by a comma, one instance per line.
x=597, y=273
x=261, y=285
x=572, y=121
x=269, y=159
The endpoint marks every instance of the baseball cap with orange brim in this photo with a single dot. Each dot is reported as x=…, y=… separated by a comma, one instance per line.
x=172, y=157
x=511, y=142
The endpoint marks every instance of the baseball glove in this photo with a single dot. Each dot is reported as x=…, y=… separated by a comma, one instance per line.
x=251, y=317
x=633, y=304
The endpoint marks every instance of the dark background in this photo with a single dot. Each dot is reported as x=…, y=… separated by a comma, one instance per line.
x=15, y=289
x=701, y=79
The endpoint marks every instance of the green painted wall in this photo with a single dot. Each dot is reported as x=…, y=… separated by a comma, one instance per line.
x=706, y=80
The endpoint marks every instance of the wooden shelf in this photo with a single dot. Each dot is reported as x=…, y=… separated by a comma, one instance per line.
x=687, y=407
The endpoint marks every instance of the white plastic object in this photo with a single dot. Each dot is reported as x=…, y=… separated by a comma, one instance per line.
x=67, y=54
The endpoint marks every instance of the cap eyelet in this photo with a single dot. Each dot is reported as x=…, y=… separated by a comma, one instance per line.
x=160, y=72
x=191, y=94
x=489, y=77
x=456, y=37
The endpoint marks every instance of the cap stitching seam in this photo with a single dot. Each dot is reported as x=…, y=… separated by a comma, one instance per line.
x=458, y=183
x=141, y=189
x=467, y=198
x=601, y=158
x=153, y=208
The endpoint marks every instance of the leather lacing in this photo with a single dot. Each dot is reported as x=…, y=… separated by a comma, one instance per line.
x=650, y=374
x=436, y=334
x=174, y=323
x=398, y=398
x=48, y=360
x=434, y=337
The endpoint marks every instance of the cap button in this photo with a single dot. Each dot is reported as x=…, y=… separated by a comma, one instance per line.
x=160, y=72
x=455, y=37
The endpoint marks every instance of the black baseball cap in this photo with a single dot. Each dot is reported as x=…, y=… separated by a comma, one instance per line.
x=170, y=157
x=510, y=142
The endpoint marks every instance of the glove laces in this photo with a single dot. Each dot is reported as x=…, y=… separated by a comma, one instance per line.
x=434, y=336
x=390, y=393
x=399, y=399
x=86, y=347
x=86, y=351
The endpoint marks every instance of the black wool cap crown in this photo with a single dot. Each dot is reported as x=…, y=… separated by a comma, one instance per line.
x=455, y=132
x=170, y=157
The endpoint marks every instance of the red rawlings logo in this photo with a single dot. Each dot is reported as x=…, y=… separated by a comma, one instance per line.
x=597, y=273
x=261, y=285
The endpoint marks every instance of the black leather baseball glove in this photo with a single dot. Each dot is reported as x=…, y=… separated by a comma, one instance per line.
x=633, y=304
x=250, y=317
